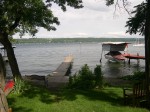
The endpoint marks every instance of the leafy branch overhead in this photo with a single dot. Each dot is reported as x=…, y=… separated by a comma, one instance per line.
x=136, y=24
x=140, y=23
x=63, y=3
x=26, y=16
x=109, y=2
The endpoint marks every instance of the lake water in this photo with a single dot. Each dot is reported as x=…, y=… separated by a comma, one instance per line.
x=42, y=59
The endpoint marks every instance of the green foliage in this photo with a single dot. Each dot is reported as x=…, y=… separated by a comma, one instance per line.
x=62, y=3
x=19, y=86
x=38, y=99
x=136, y=24
x=86, y=79
x=136, y=77
x=26, y=16
x=109, y=2
x=98, y=76
x=12, y=40
x=72, y=40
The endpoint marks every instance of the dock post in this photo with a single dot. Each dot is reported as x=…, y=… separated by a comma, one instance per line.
x=101, y=56
x=138, y=61
x=129, y=61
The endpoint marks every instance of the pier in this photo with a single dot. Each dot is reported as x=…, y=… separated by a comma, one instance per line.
x=57, y=79
x=60, y=76
x=132, y=56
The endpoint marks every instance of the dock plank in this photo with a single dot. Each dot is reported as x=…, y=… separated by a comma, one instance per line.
x=133, y=56
x=59, y=76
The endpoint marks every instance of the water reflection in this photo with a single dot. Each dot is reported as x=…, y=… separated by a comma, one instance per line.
x=113, y=69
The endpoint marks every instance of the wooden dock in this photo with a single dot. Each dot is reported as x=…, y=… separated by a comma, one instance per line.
x=133, y=56
x=60, y=77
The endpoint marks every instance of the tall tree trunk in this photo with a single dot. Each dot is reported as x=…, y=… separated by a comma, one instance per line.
x=11, y=56
x=2, y=72
x=147, y=52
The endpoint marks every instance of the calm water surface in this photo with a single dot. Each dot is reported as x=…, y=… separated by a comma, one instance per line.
x=42, y=59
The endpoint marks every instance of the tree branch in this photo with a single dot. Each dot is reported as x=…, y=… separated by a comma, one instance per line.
x=16, y=23
x=124, y=5
x=116, y=6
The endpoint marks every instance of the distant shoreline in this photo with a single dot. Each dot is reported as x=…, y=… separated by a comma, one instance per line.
x=73, y=40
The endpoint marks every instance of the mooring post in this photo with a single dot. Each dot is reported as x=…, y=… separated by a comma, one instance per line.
x=129, y=61
x=101, y=56
x=138, y=60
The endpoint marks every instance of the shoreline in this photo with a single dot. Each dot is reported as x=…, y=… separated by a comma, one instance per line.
x=43, y=81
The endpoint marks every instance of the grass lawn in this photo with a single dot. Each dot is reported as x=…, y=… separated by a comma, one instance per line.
x=38, y=99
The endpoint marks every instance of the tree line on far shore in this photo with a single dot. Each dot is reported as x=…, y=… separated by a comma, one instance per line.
x=72, y=40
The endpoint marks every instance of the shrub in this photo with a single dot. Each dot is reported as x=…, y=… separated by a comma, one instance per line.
x=86, y=79
x=19, y=86
x=136, y=77
x=98, y=76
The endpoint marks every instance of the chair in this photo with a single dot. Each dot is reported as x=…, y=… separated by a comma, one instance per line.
x=135, y=95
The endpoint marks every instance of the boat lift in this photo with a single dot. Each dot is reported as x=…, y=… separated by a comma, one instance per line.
x=113, y=49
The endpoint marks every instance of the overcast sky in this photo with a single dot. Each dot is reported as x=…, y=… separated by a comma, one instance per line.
x=95, y=19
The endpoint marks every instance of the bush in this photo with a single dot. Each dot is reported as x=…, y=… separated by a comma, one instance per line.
x=98, y=76
x=136, y=77
x=19, y=86
x=86, y=79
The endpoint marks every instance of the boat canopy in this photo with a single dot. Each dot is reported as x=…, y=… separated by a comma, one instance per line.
x=114, y=46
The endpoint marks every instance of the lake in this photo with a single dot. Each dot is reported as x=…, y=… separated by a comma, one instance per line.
x=42, y=59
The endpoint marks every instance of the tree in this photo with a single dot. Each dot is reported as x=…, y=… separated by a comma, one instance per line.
x=140, y=23
x=147, y=51
x=26, y=16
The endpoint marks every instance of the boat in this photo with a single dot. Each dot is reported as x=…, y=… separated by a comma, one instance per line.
x=4, y=53
x=114, y=51
x=114, y=56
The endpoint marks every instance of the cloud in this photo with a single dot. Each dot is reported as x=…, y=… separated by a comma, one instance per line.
x=96, y=5
x=94, y=20
x=80, y=34
x=92, y=9
x=119, y=34
x=116, y=34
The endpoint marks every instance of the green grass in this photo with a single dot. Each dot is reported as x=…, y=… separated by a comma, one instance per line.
x=38, y=99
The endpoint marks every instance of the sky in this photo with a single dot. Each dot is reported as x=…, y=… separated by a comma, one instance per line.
x=95, y=19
